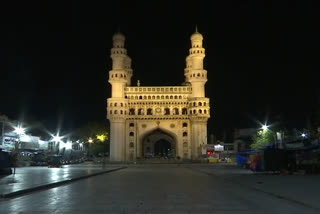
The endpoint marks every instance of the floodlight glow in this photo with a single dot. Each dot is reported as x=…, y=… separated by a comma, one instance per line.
x=90, y=140
x=101, y=137
x=264, y=127
x=19, y=130
x=62, y=145
x=68, y=145
x=303, y=135
x=57, y=138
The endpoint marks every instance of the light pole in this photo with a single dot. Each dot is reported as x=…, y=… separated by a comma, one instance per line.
x=89, y=141
x=265, y=128
x=56, y=139
x=19, y=131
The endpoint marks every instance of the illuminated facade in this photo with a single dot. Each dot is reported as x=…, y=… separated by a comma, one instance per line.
x=157, y=121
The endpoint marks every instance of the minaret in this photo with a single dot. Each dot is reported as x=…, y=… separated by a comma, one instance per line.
x=197, y=75
x=119, y=78
x=198, y=110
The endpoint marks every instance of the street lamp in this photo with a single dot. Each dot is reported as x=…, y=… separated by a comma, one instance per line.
x=90, y=140
x=19, y=131
x=56, y=139
x=264, y=127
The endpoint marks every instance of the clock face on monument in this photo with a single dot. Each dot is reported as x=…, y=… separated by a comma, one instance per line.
x=158, y=110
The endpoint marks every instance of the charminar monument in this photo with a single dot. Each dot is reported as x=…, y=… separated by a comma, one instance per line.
x=157, y=121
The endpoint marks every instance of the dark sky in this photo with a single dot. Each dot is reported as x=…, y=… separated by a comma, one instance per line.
x=262, y=57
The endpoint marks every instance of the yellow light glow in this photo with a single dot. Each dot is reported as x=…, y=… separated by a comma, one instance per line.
x=101, y=137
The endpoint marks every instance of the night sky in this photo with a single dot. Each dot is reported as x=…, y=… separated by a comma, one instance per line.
x=261, y=58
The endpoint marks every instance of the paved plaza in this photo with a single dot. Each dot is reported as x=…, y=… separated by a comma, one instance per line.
x=156, y=188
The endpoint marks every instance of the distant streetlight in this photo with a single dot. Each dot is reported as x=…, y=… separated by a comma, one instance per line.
x=264, y=127
x=303, y=135
x=90, y=140
x=19, y=131
x=56, y=139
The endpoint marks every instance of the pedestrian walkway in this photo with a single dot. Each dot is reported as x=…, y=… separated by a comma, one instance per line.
x=28, y=179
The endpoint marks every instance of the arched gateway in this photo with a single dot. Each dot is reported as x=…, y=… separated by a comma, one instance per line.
x=158, y=144
x=157, y=121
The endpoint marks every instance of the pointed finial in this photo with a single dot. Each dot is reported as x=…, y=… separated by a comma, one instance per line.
x=138, y=83
x=196, y=29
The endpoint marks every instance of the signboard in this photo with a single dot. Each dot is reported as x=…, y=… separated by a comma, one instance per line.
x=218, y=148
x=9, y=143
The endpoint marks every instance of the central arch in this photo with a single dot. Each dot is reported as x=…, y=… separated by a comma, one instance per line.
x=158, y=144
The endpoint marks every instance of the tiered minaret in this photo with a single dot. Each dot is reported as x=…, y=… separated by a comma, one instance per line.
x=198, y=109
x=119, y=77
x=197, y=76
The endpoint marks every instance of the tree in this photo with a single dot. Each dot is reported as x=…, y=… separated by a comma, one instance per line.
x=262, y=139
x=98, y=132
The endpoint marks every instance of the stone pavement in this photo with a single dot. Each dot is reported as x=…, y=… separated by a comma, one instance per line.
x=300, y=189
x=29, y=179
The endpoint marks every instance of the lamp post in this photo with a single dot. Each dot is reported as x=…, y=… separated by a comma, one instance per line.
x=19, y=131
x=265, y=128
x=89, y=141
x=56, y=139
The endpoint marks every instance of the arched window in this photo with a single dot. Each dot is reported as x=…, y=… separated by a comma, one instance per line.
x=121, y=112
x=110, y=111
x=115, y=104
x=149, y=97
x=131, y=134
x=110, y=104
x=115, y=112
x=184, y=134
x=153, y=97
x=131, y=111
x=204, y=103
x=184, y=111
x=200, y=104
x=176, y=97
x=131, y=145
x=140, y=97
x=185, y=125
x=190, y=111
x=200, y=111
x=131, y=124
x=194, y=111
x=158, y=97
x=194, y=104
x=167, y=111
x=162, y=97
x=140, y=111
x=205, y=111
x=149, y=111
x=180, y=97
x=121, y=104
x=176, y=111
x=167, y=97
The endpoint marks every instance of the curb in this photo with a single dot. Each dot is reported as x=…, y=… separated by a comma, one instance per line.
x=55, y=184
